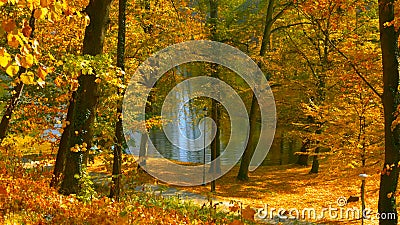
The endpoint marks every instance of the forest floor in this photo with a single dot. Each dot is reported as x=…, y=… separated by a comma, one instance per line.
x=286, y=187
x=291, y=187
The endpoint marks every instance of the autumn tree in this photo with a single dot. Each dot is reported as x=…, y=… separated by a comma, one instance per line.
x=272, y=15
x=13, y=68
x=120, y=143
x=81, y=133
x=390, y=173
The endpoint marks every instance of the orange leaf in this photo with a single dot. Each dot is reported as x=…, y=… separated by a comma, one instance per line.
x=248, y=213
x=26, y=31
x=44, y=3
x=42, y=73
x=12, y=40
x=234, y=208
x=236, y=222
x=8, y=25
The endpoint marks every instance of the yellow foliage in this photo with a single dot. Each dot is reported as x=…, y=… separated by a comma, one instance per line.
x=42, y=73
x=12, y=70
x=13, y=40
x=40, y=13
x=27, y=78
x=5, y=58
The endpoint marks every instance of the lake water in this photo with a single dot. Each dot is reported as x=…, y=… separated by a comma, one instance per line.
x=281, y=152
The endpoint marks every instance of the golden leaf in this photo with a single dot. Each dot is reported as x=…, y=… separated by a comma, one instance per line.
x=12, y=40
x=87, y=21
x=5, y=58
x=27, y=78
x=12, y=70
x=58, y=7
x=27, y=61
x=42, y=73
x=40, y=13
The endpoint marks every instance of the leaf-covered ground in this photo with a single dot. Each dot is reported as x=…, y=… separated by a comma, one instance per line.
x=292, y=187
x=25, y=196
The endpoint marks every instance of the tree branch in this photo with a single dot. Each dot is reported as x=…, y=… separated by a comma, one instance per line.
x=279, y=14
x=303, y=55
x=288, y=26
x=355, y=69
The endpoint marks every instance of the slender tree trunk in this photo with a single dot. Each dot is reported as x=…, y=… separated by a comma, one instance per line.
x=215, y=111
x=5, y=120
x=254, y=115
x=315, y=163
x=142, y=150
x=266, y=40
x=119, y=134
x=86, y=97
x=147, y=28
x=253, y=137
x=63, y=146
x=303, y=158
x=390, y=173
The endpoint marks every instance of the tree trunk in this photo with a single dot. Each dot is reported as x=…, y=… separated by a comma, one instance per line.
x=142, y=150
x=390, y=173
x=303, y=158
x=315, y=163
x=215, y=111
x=266, y=40
x=5, y=120
x=254, y=108
x=86, y=97
x=119, y=134
x=63, y=146
x=147, y=28
x=243, y=174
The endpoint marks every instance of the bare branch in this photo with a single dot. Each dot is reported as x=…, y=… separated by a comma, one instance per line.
x=288, y=26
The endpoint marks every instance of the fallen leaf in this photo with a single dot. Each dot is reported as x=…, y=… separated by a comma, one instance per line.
x=236, y=222
x=234, y=208
x=248, y=213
